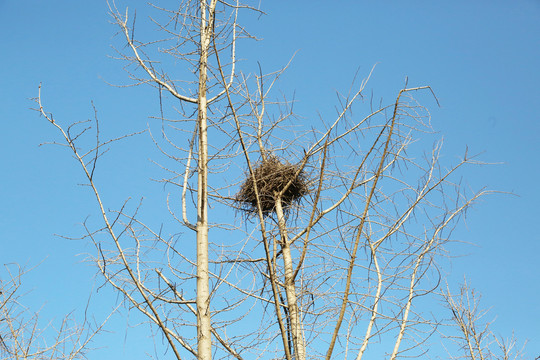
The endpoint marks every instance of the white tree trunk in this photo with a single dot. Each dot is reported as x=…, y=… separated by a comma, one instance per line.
x=290, y=289
x=203, y=288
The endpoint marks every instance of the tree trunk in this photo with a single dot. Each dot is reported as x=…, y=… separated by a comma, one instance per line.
x=203, y=288
x=290, y=289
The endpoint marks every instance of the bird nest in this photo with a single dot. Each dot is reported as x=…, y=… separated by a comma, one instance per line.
x=271, y=177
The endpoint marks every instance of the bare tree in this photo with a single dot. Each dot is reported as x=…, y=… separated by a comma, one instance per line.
x=370, y=206
x=474, y=337
x=332, y=247
x=23, y=334
x=200, y=34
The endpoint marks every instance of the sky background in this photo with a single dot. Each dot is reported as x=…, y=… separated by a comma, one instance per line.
x=481, y=58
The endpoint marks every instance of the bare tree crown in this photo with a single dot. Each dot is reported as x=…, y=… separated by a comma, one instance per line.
x=347, y=219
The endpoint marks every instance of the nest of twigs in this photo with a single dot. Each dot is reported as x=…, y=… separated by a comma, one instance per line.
x=271, y=177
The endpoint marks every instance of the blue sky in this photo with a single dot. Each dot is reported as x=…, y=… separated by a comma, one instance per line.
x=480, y=57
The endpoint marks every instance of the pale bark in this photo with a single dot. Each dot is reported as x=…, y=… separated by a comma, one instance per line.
x=290, y=288
x=203, y=280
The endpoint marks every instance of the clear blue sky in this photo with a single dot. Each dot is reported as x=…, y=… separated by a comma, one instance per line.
x=482, y=58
